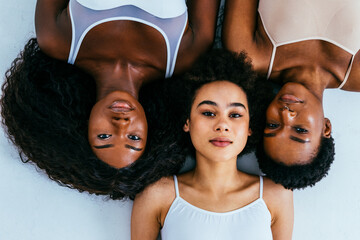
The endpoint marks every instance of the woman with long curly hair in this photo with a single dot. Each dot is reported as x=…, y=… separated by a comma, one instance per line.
x=72, y=97
x=217, y=111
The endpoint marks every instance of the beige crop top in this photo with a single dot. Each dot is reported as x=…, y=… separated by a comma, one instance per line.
x=334, y=21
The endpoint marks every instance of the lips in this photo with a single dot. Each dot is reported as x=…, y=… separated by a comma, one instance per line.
x=121, y=106
x=220, y=142
x=288, y=98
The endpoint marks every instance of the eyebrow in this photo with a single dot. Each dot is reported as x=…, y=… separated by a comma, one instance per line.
x=269, y=134
x=104, y=146
x=133, y=148
x=296, y=139
x=299, y=139
x=234, y=104
x=112, y=145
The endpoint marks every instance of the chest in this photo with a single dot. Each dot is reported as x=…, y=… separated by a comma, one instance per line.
x=314, y=54
x=129, y=32
x=123, y=41
x=184, y=221
x=335, y=21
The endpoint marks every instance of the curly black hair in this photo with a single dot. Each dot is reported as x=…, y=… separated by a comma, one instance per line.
x=299, y=176
x=45, y=106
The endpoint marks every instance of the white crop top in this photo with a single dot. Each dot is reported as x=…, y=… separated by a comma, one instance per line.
x=185, y=221
x=168, y=17
x=291, y=21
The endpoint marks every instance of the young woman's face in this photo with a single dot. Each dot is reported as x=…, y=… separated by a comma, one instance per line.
x=219, y=121
x=295, y=124
x=118, y=129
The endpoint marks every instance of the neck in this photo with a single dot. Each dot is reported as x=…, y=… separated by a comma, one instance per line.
x=215, y=176
x=315, y=79
x=117, y=81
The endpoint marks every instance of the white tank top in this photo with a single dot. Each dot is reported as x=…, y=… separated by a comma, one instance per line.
x=291, y=21
x=185, y=221
x=169, y=19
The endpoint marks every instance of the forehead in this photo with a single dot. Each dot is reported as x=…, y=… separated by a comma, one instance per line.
x=221, y=91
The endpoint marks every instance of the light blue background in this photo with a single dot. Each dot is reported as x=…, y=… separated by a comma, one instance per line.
x=32, y=207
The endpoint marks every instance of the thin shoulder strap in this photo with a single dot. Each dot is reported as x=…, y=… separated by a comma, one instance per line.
x=261, y=186
x=274, y=46
x=176, y=186
x=271, y=62
x=347, y=72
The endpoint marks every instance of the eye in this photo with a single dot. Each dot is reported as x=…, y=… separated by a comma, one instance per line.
x=104, y=136
x=272, y=125
x=301, y=130
x=134, y=137
x=235, y=115
x=208, y=114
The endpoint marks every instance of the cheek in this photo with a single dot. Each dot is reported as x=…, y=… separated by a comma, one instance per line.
x=198, y=133
x=315, y=117
x=96, y=116
x=98, y=122
x=242, y=130
x=271, y=111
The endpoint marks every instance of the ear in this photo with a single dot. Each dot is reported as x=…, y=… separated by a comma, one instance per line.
x=250, y=132
x=327, y=128
x=186, y=126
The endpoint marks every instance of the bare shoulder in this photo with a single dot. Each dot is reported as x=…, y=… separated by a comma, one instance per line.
x=273, y=190
x=276, y=195
x=159, y=192
x=353, y=83
x=156, y=199
x=150, y=208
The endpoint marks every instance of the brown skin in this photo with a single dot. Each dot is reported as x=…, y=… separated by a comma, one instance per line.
x=115, y=130
x=314, y=64
x=215, y=184
x=295, y=123
x=118, y=68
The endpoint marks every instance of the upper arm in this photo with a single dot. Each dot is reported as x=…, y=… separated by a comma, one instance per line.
x=149, y=210
x=144, y=218
x=200, y=33
x=243, y=31
x=240, y=24
x=353, y=83
x=203, y=18
x=53, y=27
x=280, y=203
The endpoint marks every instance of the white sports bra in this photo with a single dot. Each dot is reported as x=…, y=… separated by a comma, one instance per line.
x=185, y=221
x=168, y=17
x=334, y=21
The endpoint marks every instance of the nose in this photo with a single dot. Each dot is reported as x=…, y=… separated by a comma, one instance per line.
x=222, y=126
x=121, y=121
x=287, y=112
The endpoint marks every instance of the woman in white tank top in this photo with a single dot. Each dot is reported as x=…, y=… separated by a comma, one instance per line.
x=305, y=46
x=215, y=201
x=114, y=47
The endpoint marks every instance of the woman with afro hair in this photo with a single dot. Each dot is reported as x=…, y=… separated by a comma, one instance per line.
x=219, y=110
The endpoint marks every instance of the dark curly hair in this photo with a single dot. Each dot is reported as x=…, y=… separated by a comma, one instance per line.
x=236, y=68
x=173, y=145
x=299, y=176
x=45, y=106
